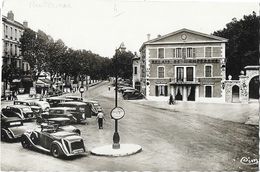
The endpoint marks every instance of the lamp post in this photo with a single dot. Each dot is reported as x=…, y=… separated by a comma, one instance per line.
x=117, y=113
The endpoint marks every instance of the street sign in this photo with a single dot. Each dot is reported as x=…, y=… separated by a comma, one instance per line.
x=81, y=89
x=117, y=113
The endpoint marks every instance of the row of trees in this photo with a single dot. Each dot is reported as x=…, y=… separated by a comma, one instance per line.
x=243, y=43
x=45, y=54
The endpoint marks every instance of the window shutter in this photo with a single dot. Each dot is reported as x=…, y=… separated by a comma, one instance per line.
x=166, y=90
x=156, y=90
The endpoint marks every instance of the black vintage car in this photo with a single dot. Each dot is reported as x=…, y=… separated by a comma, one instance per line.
x=93, y=107
x=132, y=95
x=79, y=110
x=36, y=109
x=54, y=101
x=49, y=139
x=75, y=98
x=62, y=123
x=66, y=112
x=22, y=111
x=12, y=127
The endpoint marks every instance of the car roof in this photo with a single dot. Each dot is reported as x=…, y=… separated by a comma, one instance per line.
x=90, y=101
x=19, y=106
x=58, y=98
x=129, y=91
x=25, y=101
x=58, y=119
x=74, y=97
x=61, y=108
x=73, y=102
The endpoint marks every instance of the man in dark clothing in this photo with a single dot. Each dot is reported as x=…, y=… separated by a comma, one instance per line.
x=171, y=100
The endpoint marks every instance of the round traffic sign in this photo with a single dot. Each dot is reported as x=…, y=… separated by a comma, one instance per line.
x=81, y=89
x=117, y=113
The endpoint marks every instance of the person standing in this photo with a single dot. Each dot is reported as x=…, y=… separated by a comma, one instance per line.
x=171, y=100
x=100, y=118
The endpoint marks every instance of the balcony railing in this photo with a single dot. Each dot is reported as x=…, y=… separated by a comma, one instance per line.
x=184, y=81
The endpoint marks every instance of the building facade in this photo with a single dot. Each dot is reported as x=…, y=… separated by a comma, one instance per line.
x=11, y=54
x=187, y=64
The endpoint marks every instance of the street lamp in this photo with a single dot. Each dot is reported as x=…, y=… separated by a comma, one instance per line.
x=117, y=113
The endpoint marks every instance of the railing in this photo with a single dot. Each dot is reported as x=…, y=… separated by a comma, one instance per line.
x=184, y=80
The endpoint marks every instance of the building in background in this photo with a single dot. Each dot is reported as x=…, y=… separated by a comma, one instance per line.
x=187, y=64
x=13, y=65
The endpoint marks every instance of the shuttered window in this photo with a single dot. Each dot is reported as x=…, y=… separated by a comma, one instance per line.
x=161, y=53
x=208, y=71
x=160, y=72
x=208, y=52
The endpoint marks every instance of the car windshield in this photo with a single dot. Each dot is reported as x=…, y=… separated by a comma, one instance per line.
x=81, y=109
x=26, y=109
x=57, y=111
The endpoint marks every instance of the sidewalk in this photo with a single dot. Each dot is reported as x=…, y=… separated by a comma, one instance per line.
x=236, y=112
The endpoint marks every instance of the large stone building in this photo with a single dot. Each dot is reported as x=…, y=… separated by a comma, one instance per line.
x=187, y=64
x=11, y=54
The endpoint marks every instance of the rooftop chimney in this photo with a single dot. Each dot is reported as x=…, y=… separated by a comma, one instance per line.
x=25, y=23
x=10, y=15
x=148, y=36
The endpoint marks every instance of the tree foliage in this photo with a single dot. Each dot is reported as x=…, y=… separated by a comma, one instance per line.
x=122, y=64
x=45, y=54
x=242, y=46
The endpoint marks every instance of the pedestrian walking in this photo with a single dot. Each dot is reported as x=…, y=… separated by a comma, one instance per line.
x=100, y=118
x=171, y=102
x=109, y=88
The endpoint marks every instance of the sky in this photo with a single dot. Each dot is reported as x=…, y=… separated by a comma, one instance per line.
x=102, y=25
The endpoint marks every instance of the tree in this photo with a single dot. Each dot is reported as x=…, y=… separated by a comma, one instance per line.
x=34, y=47
x=242, y=45
x=123, y=64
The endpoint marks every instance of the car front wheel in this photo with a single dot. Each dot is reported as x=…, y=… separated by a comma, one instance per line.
x=25, y=142
x=55, y=151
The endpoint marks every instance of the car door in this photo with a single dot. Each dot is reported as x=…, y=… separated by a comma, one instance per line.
x=46, y=140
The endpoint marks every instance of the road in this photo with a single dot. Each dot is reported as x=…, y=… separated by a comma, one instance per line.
x=170, y=141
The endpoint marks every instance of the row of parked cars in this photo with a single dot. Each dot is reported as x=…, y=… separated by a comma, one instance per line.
x=130, y=93
x=54, y=134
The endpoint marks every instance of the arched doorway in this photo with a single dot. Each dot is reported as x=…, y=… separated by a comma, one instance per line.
x=235, y=94
x=254, y=88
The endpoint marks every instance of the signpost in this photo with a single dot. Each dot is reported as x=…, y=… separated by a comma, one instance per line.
x=81, y=90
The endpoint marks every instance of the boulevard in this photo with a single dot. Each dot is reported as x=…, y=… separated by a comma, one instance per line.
x=170, y=140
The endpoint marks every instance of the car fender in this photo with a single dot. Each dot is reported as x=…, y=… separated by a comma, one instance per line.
x=8, y=133
x=64, y=152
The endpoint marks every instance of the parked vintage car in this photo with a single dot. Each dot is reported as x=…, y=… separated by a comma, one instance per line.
x=67, y=112
x=23, y=112
x=123, y=89
x=133, y=95
x=93, y=107
x=54, y=101
x=12, y=127
x=49, y=139
x=79, y=110
x=45, y=106
x=63, y=124
x=36, y=109
x=75, y=98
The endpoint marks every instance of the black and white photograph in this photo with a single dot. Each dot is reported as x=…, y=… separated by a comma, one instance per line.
x=130, y=85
